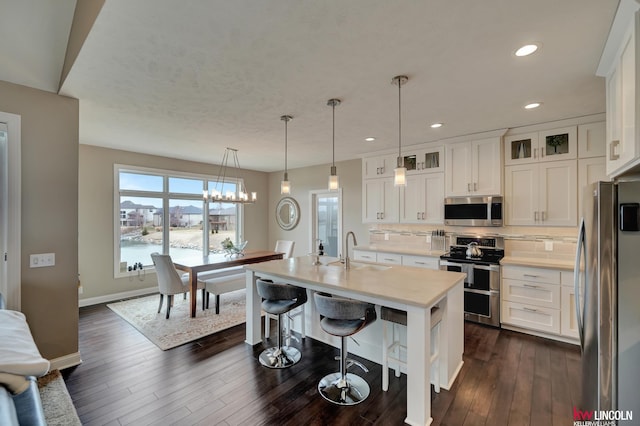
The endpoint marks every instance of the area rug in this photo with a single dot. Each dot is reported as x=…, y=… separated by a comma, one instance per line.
x=56, y=403
x=180, y=328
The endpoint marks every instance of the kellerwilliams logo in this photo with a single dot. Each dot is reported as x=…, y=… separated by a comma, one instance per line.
x=601, y=418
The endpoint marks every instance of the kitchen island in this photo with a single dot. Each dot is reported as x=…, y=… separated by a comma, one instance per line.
x=410, y=289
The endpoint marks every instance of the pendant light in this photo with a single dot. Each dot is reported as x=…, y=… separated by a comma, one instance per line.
x=400, y=172
x=285, y=185
x=334, y=182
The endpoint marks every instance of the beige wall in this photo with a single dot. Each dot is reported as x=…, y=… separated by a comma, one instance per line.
x=316, y=178
x=96, y=237
x=49, y=214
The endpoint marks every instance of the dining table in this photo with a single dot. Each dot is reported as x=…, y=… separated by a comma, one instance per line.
x=195, y=265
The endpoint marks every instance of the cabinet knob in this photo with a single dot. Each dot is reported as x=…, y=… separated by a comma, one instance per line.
x=422, y=215
x=535, y=152
x=535, y=216
x=468, y=187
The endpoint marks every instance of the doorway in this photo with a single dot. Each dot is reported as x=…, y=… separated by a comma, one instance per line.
x=326, y=226
x=10, y=207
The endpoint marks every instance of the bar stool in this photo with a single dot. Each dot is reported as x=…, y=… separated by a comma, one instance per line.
x=392, y=347
x=280, y=298
x=343, y=318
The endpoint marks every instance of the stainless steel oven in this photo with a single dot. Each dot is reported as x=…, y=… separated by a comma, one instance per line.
x=482, y=285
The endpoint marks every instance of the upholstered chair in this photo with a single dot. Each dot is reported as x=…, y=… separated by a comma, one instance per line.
x=170, y=282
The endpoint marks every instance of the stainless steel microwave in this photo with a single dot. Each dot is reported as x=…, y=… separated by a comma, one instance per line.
x=473, y=211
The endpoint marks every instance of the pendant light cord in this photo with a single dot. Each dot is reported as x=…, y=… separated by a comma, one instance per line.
x=399, y=122
x=286, y=138
x=333, y=146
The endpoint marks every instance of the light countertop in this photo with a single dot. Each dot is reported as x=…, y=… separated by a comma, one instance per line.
x=401, y=250
x=400, y=284
x=538, y=262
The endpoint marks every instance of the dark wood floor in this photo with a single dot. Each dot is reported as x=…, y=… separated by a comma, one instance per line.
x=508, y=378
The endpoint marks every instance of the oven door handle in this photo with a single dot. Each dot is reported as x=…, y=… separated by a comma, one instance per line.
x=484, y=292
x=492, y=268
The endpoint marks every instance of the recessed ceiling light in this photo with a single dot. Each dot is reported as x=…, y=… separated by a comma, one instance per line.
x=436, y=125
x=527, y=49
x=532, y=105
x=369, y=139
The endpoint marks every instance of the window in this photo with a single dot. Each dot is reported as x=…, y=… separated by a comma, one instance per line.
x=163, y=211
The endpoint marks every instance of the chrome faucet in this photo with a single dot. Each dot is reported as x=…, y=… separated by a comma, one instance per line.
x=347, y=261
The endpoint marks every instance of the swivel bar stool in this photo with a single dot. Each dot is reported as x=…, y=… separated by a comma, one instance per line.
x=279, y=299
x=344, y=317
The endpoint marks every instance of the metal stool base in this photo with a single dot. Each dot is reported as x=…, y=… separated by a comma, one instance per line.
x=282, y=357
x=351, y=391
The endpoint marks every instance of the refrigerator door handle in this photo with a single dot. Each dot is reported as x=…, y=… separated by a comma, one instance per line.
x=580, y=249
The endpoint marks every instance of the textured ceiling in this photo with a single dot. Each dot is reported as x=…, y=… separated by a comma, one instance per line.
x=186, y=79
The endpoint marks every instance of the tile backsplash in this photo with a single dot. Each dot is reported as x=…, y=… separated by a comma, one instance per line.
x=528, y=242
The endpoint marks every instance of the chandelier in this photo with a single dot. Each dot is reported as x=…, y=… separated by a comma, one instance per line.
x=219, y=194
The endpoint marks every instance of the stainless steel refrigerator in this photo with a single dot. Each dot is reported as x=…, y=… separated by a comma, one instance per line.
x=607, y=280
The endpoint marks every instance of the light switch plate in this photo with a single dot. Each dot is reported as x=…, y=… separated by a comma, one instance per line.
x=42, y=260
x=386, y=236
x=548, y=245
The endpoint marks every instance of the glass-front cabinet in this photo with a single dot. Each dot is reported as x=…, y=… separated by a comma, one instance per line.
x=546, y=145
x=424, y=160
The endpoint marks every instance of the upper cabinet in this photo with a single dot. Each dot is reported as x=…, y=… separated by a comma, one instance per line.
x=422, y=200
x=379, y=166
x=379, y=201
x=547, y=145
x=591, y=140
x=473, y=168
x=424, y=160
x=619, y=66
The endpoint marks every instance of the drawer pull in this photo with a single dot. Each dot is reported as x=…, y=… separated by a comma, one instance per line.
x=532, y=276
x=419, y=263
x=530, y=309
x=531, y=286
x=389, y=260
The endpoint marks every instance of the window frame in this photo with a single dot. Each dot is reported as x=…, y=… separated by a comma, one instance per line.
x=165, y=196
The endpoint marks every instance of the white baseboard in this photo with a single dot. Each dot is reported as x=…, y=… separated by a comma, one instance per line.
x=116, y=296
x=65, y=361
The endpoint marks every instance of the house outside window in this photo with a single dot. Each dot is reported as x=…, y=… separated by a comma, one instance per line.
x=147, y=199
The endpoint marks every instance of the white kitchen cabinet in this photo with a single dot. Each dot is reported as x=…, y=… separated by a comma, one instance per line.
x=473, y=168
x=530, y=298
x=422, y=199
x=592, y=140
x=590, y=170
x=379, y=201
x=532, y=317
x=543, y=194
x=377, y=257
x=379, y=166
x=364, y=256
x=429, y=159
x=547, y=145
x=619, y=66
x=426, y=262
x=568, y=319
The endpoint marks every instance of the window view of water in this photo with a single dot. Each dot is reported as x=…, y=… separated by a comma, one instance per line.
x=136, y=251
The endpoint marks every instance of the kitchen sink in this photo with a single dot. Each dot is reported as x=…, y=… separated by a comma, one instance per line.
x=360, y=266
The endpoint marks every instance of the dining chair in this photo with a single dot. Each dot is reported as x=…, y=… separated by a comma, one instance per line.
x=170, y=282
